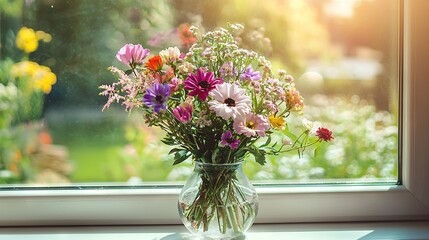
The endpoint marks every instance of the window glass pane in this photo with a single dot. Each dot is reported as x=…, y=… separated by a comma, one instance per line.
x=342, y=53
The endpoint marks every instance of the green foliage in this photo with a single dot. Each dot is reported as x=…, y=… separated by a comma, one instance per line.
x=365, y=146
x=20, y=104
x=11, y=7
x=258, y=154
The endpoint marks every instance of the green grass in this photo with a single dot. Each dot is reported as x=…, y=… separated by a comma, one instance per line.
x=96, y=163
x=93, y=139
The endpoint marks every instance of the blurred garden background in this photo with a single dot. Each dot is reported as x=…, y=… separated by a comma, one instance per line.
x=342, y=53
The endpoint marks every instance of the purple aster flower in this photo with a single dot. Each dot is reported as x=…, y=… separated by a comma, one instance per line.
x=132, y=54
x=228, y=140
x=250, y=74
x=157, y=96
x=201, y=84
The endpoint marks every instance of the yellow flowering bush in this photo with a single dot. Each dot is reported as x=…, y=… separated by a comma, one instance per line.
x=22, y=86
x=39, y=77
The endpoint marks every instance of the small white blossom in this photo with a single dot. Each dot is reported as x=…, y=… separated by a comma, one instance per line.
x=170, y=54
x=186, y=68
x=311, y=126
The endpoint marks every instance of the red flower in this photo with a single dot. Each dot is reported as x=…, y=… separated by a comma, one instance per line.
x=154, y=63
x=45, y=138
x=186, y=36
x=324, y=134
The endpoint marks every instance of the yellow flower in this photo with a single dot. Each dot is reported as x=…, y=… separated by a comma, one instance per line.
x=277, y=122
x=44, y=79
x=27, y=40
x=295, y=101
x=41, y=35
x=24, y=69
x=41, y=76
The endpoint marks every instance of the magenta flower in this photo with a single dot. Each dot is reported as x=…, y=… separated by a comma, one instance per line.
x=157, y=96
x=183, y=113
x=228, y=140
x=250, y=74
x=201, y=84
x=131, y=54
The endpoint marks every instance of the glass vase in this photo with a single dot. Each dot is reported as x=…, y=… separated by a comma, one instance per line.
x=218, y=201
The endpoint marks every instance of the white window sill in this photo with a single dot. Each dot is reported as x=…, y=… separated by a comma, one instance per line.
x=343, y=231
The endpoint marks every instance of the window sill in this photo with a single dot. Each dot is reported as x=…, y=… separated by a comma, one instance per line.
x=361, y=230
x=149, y=206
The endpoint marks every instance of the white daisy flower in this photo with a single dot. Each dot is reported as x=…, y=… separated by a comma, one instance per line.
x=229, y=101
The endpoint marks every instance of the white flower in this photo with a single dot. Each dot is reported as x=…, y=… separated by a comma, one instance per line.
x=170, y=54
x=186, y=68
x=311, y=126
x=229, y=101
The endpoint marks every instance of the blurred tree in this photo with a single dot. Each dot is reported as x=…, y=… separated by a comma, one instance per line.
x=369, y=29
x=292, y=26
x=87, y=35
x=372, y=29
x=10, y=19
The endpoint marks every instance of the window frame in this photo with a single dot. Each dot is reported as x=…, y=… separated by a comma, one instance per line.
x=408, y=200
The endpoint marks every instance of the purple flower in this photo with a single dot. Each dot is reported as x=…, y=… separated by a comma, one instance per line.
x=157, y=96
x=201, y=84
x=131, y=54
x=183, y=113
x=228, y=140
x=250, y=74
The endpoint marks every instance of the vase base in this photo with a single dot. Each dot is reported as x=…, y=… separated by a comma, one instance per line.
x=239, y=236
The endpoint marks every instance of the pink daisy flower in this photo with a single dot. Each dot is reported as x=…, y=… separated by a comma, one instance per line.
x=251, y=125
x=229, y=100
x=132, y=54
x=201, y=84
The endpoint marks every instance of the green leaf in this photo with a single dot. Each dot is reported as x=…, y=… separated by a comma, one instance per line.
x=168, y=141
x=258, y=154
x=129, y=71
x=214, y=155
x=289, y=134
x=174, y=150
x=181, y=156
x=316, y=152
x=267, y=142
x=316, y=149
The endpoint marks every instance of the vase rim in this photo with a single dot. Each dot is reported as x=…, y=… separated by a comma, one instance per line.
x=219, y=164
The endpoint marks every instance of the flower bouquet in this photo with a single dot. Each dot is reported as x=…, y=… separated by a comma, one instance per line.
x=217, y=103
